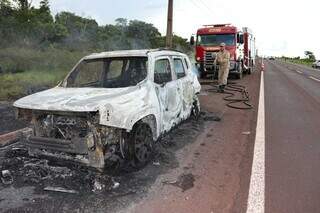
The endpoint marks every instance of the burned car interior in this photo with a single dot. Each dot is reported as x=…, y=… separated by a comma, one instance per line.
x=109, y=72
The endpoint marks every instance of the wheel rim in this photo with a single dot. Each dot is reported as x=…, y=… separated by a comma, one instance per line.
x=143, y=144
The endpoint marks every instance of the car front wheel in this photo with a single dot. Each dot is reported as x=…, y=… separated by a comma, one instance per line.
x=141, y=144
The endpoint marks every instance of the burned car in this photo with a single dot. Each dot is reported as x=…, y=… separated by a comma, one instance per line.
x=112, y=105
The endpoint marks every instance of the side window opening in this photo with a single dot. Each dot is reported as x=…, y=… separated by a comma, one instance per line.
x=179, y=68
x=162, y=71
x=186, y=62
x=115, y=69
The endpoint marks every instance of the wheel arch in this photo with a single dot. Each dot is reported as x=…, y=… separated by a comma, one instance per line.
x=151, y=120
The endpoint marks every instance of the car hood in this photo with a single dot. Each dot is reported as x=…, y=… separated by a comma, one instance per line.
x=71, y=99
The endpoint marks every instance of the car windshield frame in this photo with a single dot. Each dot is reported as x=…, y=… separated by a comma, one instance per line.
x=216, y=39
x=108, y=72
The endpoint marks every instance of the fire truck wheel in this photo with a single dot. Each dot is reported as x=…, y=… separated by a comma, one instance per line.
x=240, y=72
x=203, y=75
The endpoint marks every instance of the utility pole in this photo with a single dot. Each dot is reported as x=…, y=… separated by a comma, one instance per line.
x=169, y=25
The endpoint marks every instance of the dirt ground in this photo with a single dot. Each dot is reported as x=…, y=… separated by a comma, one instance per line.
x=8, y=122
x=200, y=166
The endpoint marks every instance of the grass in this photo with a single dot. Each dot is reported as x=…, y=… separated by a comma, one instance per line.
x=28, y=70
x=16, y=85
x=306, y=62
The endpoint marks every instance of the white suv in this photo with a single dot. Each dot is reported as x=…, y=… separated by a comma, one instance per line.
x=112, y=105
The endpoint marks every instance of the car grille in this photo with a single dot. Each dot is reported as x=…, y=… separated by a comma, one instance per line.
x=209, y=58
x=61, y=127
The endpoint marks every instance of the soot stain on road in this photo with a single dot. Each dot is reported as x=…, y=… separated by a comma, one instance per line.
x=111, y=190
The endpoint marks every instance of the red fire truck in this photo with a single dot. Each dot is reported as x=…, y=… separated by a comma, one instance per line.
x=240, y=44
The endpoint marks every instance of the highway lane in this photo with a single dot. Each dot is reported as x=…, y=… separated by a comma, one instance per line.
x=308, y=72
x=292, y=163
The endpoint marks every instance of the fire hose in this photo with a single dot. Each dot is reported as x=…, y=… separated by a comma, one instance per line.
x=230, y=90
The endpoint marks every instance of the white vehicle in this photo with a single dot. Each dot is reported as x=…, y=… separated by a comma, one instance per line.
x=112, y=105
x=316, y=64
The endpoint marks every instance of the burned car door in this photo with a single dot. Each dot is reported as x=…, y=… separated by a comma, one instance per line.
x=185, y=84
x=167, y=90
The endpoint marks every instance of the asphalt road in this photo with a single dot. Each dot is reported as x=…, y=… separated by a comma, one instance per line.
x=292, y=111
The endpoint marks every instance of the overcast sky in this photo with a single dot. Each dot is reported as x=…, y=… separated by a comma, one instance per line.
x=281, y=27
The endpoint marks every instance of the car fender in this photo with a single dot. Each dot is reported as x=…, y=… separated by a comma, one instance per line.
x=149, y=116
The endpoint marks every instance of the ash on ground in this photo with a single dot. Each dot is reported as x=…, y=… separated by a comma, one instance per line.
x=51, y=185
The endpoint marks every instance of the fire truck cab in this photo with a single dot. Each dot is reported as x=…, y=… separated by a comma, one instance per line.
x=240, y=44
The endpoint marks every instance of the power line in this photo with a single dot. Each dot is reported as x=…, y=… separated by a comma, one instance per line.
x=207, y=9
x=206, y=6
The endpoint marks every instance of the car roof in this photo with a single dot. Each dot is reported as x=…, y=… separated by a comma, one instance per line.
x=133, y=53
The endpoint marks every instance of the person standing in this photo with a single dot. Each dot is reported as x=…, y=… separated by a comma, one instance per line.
x=223, y=60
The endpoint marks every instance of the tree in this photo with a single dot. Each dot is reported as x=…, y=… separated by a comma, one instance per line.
x=24, y=5
x=310, y=55
x=121, y=22
x=44, y=6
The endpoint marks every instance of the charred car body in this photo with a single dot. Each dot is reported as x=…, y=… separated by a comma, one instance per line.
x=112, y=105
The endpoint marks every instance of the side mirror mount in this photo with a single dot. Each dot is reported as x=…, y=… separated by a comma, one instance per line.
x=192, y=41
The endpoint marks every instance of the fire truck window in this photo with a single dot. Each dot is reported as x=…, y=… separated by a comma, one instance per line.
x=162, y=71
x=178, y=68
x=216, y=40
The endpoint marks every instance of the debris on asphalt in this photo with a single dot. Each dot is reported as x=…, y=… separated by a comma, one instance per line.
x=6, y=177
x=184, y=181
x=60, y=189
x=97, y=186
x=39, y=170
x=212, y=118
x=103, y=182
x=13, y=137
x=246, y=133
x=115, y=185
x=156, y=163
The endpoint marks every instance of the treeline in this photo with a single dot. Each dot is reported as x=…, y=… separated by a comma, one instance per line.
x=21, y=24
x=37, y=49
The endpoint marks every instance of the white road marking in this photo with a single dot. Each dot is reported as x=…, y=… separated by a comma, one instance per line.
x=256, y=197
x=298, y=71
x=313, y=78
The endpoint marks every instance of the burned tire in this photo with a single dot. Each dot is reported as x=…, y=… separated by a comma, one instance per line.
x=141, y=144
